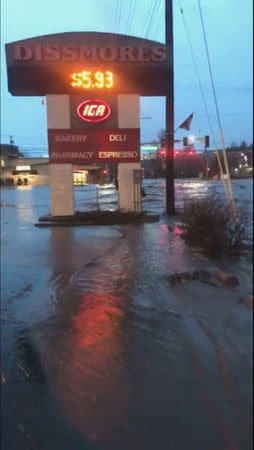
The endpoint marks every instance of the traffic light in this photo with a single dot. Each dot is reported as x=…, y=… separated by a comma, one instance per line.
x=207, y=141
x=162, y=153
x=185, y=142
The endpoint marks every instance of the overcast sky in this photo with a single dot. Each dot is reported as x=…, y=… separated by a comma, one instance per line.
x=229, y=32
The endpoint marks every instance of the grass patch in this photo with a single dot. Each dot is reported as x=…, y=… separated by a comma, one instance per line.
x=208, y=225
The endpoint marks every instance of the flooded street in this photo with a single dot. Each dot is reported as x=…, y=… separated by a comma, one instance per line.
x=99, y=351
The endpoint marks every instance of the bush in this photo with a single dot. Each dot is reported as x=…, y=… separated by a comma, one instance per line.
x=209, y=225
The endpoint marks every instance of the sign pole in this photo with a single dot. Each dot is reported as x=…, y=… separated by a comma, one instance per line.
x=170, y=193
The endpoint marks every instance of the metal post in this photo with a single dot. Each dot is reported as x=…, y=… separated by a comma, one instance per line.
x=97, y=198
x=205, y=161
x=170, y=193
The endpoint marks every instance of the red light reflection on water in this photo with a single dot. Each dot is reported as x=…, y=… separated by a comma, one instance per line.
x=89, y=383
x=97, y=319
x=177, y=230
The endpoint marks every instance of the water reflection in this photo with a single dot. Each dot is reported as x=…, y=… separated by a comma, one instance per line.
x=190, y=189
x=83, y=348
x=92, y=197
x=86, y=377
x=109, y=337
x=24, y=188
x=108, y=360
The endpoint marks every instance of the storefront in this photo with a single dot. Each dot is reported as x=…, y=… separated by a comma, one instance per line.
x=35, y=171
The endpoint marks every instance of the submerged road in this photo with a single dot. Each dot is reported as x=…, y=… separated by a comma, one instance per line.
x=99, y=351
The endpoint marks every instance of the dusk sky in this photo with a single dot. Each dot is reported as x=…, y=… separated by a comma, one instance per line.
x=229, y=28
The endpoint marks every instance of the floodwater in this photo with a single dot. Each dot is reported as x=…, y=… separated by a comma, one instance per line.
x=99, y=351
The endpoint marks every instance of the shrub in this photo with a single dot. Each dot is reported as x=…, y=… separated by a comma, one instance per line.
x=210, y=225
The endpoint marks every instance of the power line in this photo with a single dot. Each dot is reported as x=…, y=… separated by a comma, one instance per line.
x=155, y=6
x=229, y=184
x=132, y=5
x=120, y=13
x=30, y=148
x=149, y=16
x=128, y=17
x=227, y=193
x=197, y=73
x=159, y=23
x=116, y=17
x=153, y=17
x=209, y=64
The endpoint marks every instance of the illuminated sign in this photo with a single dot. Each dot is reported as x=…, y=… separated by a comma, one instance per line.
x=95, y=156
x=23, y=168
x=148, y=148
x=93, y=111
x=89, y=80
x=86, y=146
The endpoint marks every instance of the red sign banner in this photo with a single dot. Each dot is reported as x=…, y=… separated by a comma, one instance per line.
x=119, y=145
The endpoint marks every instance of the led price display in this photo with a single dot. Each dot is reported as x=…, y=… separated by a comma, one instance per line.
x=90, y=80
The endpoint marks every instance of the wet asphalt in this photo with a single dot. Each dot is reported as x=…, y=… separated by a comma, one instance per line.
x=99, y=351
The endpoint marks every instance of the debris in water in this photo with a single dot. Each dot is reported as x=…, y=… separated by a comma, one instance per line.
x=227, y=279
x=218, y=279
x=200, y=275
x=32, y=445
x=22, y=370
x=248, y=301
x=27, y=287
x=2, y=377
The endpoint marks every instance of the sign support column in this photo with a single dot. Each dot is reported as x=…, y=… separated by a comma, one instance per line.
x=128, y=190
x=60, y=175
x=170, y=190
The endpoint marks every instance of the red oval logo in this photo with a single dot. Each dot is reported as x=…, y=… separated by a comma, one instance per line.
x=93, y=110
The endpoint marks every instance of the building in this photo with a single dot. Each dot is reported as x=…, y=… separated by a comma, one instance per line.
x=18, y=171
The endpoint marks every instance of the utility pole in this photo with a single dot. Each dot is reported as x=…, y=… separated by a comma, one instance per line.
x=170, y=190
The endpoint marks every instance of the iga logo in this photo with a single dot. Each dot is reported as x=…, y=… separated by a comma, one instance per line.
x=93, y=110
